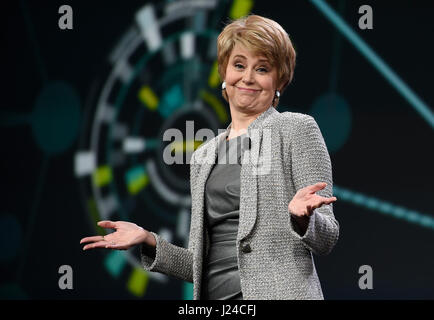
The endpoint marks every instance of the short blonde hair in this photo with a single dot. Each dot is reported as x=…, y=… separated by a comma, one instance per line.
x=264, y=37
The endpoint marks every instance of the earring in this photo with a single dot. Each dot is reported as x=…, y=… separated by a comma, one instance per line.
x=224, y=85
x=277, y=93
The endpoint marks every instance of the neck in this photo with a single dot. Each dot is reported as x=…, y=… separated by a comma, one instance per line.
x=241, y=120
x=240, y=123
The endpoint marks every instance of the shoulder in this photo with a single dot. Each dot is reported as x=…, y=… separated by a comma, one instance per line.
x=292, y=124
x=295, y=118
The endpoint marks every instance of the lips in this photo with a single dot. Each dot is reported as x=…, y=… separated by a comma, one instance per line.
x=247, y=90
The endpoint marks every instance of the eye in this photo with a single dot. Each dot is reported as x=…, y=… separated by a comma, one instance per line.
x=238, y=66
x=262, y=70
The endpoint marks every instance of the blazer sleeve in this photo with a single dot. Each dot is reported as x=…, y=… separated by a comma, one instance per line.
x=168, y=258
x=310, y=164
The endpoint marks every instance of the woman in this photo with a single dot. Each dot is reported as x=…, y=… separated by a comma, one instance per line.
x=255, y=223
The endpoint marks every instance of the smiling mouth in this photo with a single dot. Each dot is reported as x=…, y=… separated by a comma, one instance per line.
x=248, y=90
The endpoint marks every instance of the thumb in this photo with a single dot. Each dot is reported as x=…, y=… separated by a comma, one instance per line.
x=107, y=224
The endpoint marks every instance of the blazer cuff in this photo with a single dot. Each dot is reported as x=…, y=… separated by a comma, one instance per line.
x=169, y=259
x=321, y=235
x=297, y=232
x=307, y=237
x=149, y=260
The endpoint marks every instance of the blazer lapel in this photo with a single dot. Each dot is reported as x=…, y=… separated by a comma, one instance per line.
x=250, y=170
x=248, y=192
x=205, y=159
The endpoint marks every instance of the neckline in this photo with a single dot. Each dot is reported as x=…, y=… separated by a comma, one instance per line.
x=235, y=138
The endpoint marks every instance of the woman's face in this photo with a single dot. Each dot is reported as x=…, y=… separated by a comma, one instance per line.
x=251, y=81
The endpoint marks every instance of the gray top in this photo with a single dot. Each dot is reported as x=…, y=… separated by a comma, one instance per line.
x=221, y=276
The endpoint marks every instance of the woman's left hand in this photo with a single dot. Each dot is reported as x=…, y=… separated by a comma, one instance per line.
x=305, y=200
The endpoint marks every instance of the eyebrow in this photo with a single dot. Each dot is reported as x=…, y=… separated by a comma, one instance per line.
x=260, y=60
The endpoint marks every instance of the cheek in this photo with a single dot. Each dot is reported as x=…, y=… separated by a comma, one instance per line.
x=268, y=84
x=231, y=78
x=267, y=89
x=229, y=91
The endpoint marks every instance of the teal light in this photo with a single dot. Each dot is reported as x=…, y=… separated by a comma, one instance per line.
x=134, y=173
x=333, y=115
x=384, y=207
x=187, y=291
x=171, y=100
x=115, y=262
x=56, y=117
x=377, y=62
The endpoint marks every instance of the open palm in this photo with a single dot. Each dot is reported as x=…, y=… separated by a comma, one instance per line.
x=306, y=200
x=127, y=235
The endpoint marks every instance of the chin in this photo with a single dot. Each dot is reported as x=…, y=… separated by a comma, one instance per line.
x=246, y=103
x=243, y=106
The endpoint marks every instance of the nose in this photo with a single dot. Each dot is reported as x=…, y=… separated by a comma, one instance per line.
x=248, y=76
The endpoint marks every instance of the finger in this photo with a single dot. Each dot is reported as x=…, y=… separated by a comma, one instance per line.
x=115, y=246
x=92, y=239
x=316, y=187
x=107, y=224
x=328, y=200
x=100, y=244
x=321, y=201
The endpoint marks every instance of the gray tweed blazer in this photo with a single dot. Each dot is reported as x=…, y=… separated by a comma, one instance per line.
x=287, y=152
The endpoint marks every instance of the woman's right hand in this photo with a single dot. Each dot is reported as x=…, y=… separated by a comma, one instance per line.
x=127, y=235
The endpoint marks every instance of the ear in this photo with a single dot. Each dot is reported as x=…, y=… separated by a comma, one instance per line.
x=278, y=88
